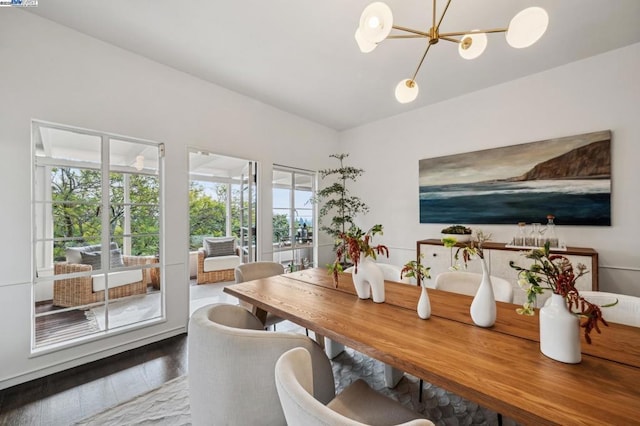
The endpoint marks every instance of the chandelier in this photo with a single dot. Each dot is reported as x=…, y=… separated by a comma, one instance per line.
x=376, y=23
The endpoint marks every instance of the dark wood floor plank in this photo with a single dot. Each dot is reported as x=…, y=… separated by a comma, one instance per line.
x=97, y=396
x=64, y=406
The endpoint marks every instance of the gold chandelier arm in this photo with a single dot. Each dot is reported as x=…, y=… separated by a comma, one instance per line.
x=421, y=61
x=433, y=13
x=443, y=12
x=407, y=36
x=451, y=39
x=409, y=30
x=461, y=33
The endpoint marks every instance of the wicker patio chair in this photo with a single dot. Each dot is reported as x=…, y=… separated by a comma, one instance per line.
x=211, y=276
x=78, y=291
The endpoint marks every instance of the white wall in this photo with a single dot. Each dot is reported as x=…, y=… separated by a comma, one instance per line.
x=52, y=73
x=598, y=93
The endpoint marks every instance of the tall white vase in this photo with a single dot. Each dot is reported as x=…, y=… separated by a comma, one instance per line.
x=424, y=305
x=483, y=306
x=560, y=332
x=369, y=280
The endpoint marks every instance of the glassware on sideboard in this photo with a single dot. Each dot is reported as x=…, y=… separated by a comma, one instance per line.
x=550, y=233
x=533, y=238
x=521, y=236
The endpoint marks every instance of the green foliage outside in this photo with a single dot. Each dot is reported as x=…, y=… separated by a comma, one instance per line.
x=77, y=204
x=77, y=210
x=281, y=228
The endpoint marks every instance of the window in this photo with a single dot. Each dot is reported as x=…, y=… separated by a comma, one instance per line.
x=293, y=217
x=97, y=233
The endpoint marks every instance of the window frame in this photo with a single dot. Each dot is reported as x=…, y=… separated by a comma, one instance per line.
x=296, y=248
x=39, y=201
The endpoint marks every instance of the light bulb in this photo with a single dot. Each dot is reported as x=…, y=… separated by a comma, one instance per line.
x=407, y=91
x=527, y=27
x=376, y=22
x=364, y=45
x=472, y=45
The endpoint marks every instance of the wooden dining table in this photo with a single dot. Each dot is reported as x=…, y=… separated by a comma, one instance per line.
x=500, y=367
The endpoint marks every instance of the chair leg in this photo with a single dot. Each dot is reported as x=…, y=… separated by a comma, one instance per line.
x=499, y=419
x=420, y=391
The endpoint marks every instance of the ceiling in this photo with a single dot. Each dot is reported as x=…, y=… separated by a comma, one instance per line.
x=300, y=56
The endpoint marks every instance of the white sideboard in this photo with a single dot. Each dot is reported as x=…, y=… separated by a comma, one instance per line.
x=498, y=256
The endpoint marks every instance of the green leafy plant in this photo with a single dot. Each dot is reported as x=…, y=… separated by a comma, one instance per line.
x=554, y=272
x=336, y=201
x=457, y=229
x=357, y=244
x=415, y=269
x=470, y=249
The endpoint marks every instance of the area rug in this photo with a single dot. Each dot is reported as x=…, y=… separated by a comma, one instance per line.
x=126, y=311
x=169, y=404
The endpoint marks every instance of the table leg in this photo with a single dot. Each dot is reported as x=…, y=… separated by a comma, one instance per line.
x=260, y=313
x=319, y=339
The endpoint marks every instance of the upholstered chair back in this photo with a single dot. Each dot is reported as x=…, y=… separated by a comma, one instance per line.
x=294, y=382
x=626, y=311
x=391, y=272
x=257, y=270
x=231, y=367
x=468, y=283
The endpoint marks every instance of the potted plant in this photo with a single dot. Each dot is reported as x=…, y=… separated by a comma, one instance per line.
x=415, y=269
x=556, y=273
x=368, y=279
x=338, y=203
x=471, y=247
x=460, y=232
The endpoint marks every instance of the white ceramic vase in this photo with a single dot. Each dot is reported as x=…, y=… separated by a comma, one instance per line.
x=483, y=306
x=369, y=280
x=424, y=305
x=560, y=332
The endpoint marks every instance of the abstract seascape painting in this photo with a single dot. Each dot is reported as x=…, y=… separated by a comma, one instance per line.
x=569, y=178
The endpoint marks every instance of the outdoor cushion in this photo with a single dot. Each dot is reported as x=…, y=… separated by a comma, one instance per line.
x=220, y=263
x=73, y=253
x=219, y=246
x=116, y=279
x=94, y=259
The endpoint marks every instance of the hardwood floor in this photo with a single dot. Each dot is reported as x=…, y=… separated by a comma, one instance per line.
x=72, y=395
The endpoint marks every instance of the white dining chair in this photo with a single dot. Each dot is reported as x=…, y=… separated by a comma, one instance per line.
x=626, y=311
x=391, y=272
x=256, y=270
x=468, y=283
x=231, y=361
x=357, y=405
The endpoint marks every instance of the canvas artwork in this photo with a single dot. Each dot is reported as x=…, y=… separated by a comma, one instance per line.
x=567, y=177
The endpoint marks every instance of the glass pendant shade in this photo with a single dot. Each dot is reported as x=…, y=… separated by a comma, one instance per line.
x=364, y=45
x=527, y=27
x=139, y=164
x=475, y=48
x=376, y=22
x=407, y=91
